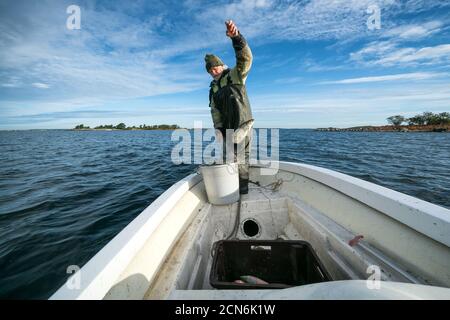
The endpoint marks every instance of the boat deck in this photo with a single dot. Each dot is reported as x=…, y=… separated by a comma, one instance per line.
x=185, y=273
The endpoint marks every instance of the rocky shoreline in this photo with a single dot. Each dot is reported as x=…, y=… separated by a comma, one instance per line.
x=392, y=128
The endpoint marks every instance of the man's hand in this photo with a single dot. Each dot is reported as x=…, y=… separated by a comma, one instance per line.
x=232, y=30
x=219, y=137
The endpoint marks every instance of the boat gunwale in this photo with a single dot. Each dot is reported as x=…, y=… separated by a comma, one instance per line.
x=106, y=266
x=425, y=217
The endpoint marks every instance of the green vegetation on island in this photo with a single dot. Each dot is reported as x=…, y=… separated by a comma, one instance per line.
x=425, y=122
x=81, y=127
x=122, y=126
x=424, y=119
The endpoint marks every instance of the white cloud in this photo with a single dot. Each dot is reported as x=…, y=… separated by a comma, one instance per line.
x=414, y=76
x=388, y=53
x=289, y=80
x=395, y=48
x=415, y=31
x=426, y=55
x=11, y=84
x=418, y=6
x=40, y=85
x=289, y=20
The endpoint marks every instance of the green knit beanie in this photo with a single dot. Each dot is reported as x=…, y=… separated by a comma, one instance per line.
x=212, y=61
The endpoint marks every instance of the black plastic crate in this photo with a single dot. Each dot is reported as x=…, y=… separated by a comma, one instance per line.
x=281, y=263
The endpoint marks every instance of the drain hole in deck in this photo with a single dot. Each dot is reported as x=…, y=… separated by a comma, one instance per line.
x=251, y=228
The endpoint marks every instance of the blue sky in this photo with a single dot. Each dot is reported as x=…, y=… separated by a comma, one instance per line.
x=316, y=63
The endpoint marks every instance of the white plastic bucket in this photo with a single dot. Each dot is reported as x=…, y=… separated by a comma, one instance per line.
x=221, y=183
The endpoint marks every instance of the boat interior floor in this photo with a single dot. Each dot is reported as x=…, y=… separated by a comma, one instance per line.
x=266, y=213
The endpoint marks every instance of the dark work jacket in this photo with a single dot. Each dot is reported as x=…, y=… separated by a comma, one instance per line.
x=230, y=106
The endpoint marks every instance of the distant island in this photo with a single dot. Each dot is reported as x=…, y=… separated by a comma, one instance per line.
x=425, y=122
x=123, y=126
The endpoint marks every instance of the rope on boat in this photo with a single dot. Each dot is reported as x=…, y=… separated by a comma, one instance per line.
x=274, y=186
x=236, y=222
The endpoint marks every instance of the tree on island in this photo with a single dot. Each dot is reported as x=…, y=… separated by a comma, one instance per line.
x=108, y=126
x=444, y=117
x=430, y=118
x=417, y=120
x=396, y=120
x=81, y=126
x=121, y=126
x=425, y=122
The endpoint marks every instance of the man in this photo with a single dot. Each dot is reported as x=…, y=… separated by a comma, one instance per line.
x=230, y=107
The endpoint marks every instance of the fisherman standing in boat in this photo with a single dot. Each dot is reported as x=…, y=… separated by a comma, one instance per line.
x=230, y=107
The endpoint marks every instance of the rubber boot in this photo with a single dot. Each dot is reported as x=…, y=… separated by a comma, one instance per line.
x=243, y=186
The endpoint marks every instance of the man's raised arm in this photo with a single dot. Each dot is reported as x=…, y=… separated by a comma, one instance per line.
x=243, y=53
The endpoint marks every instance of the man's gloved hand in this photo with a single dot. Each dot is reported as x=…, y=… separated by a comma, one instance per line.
x=241, y=132
x=232, y=30
x=219, y=136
